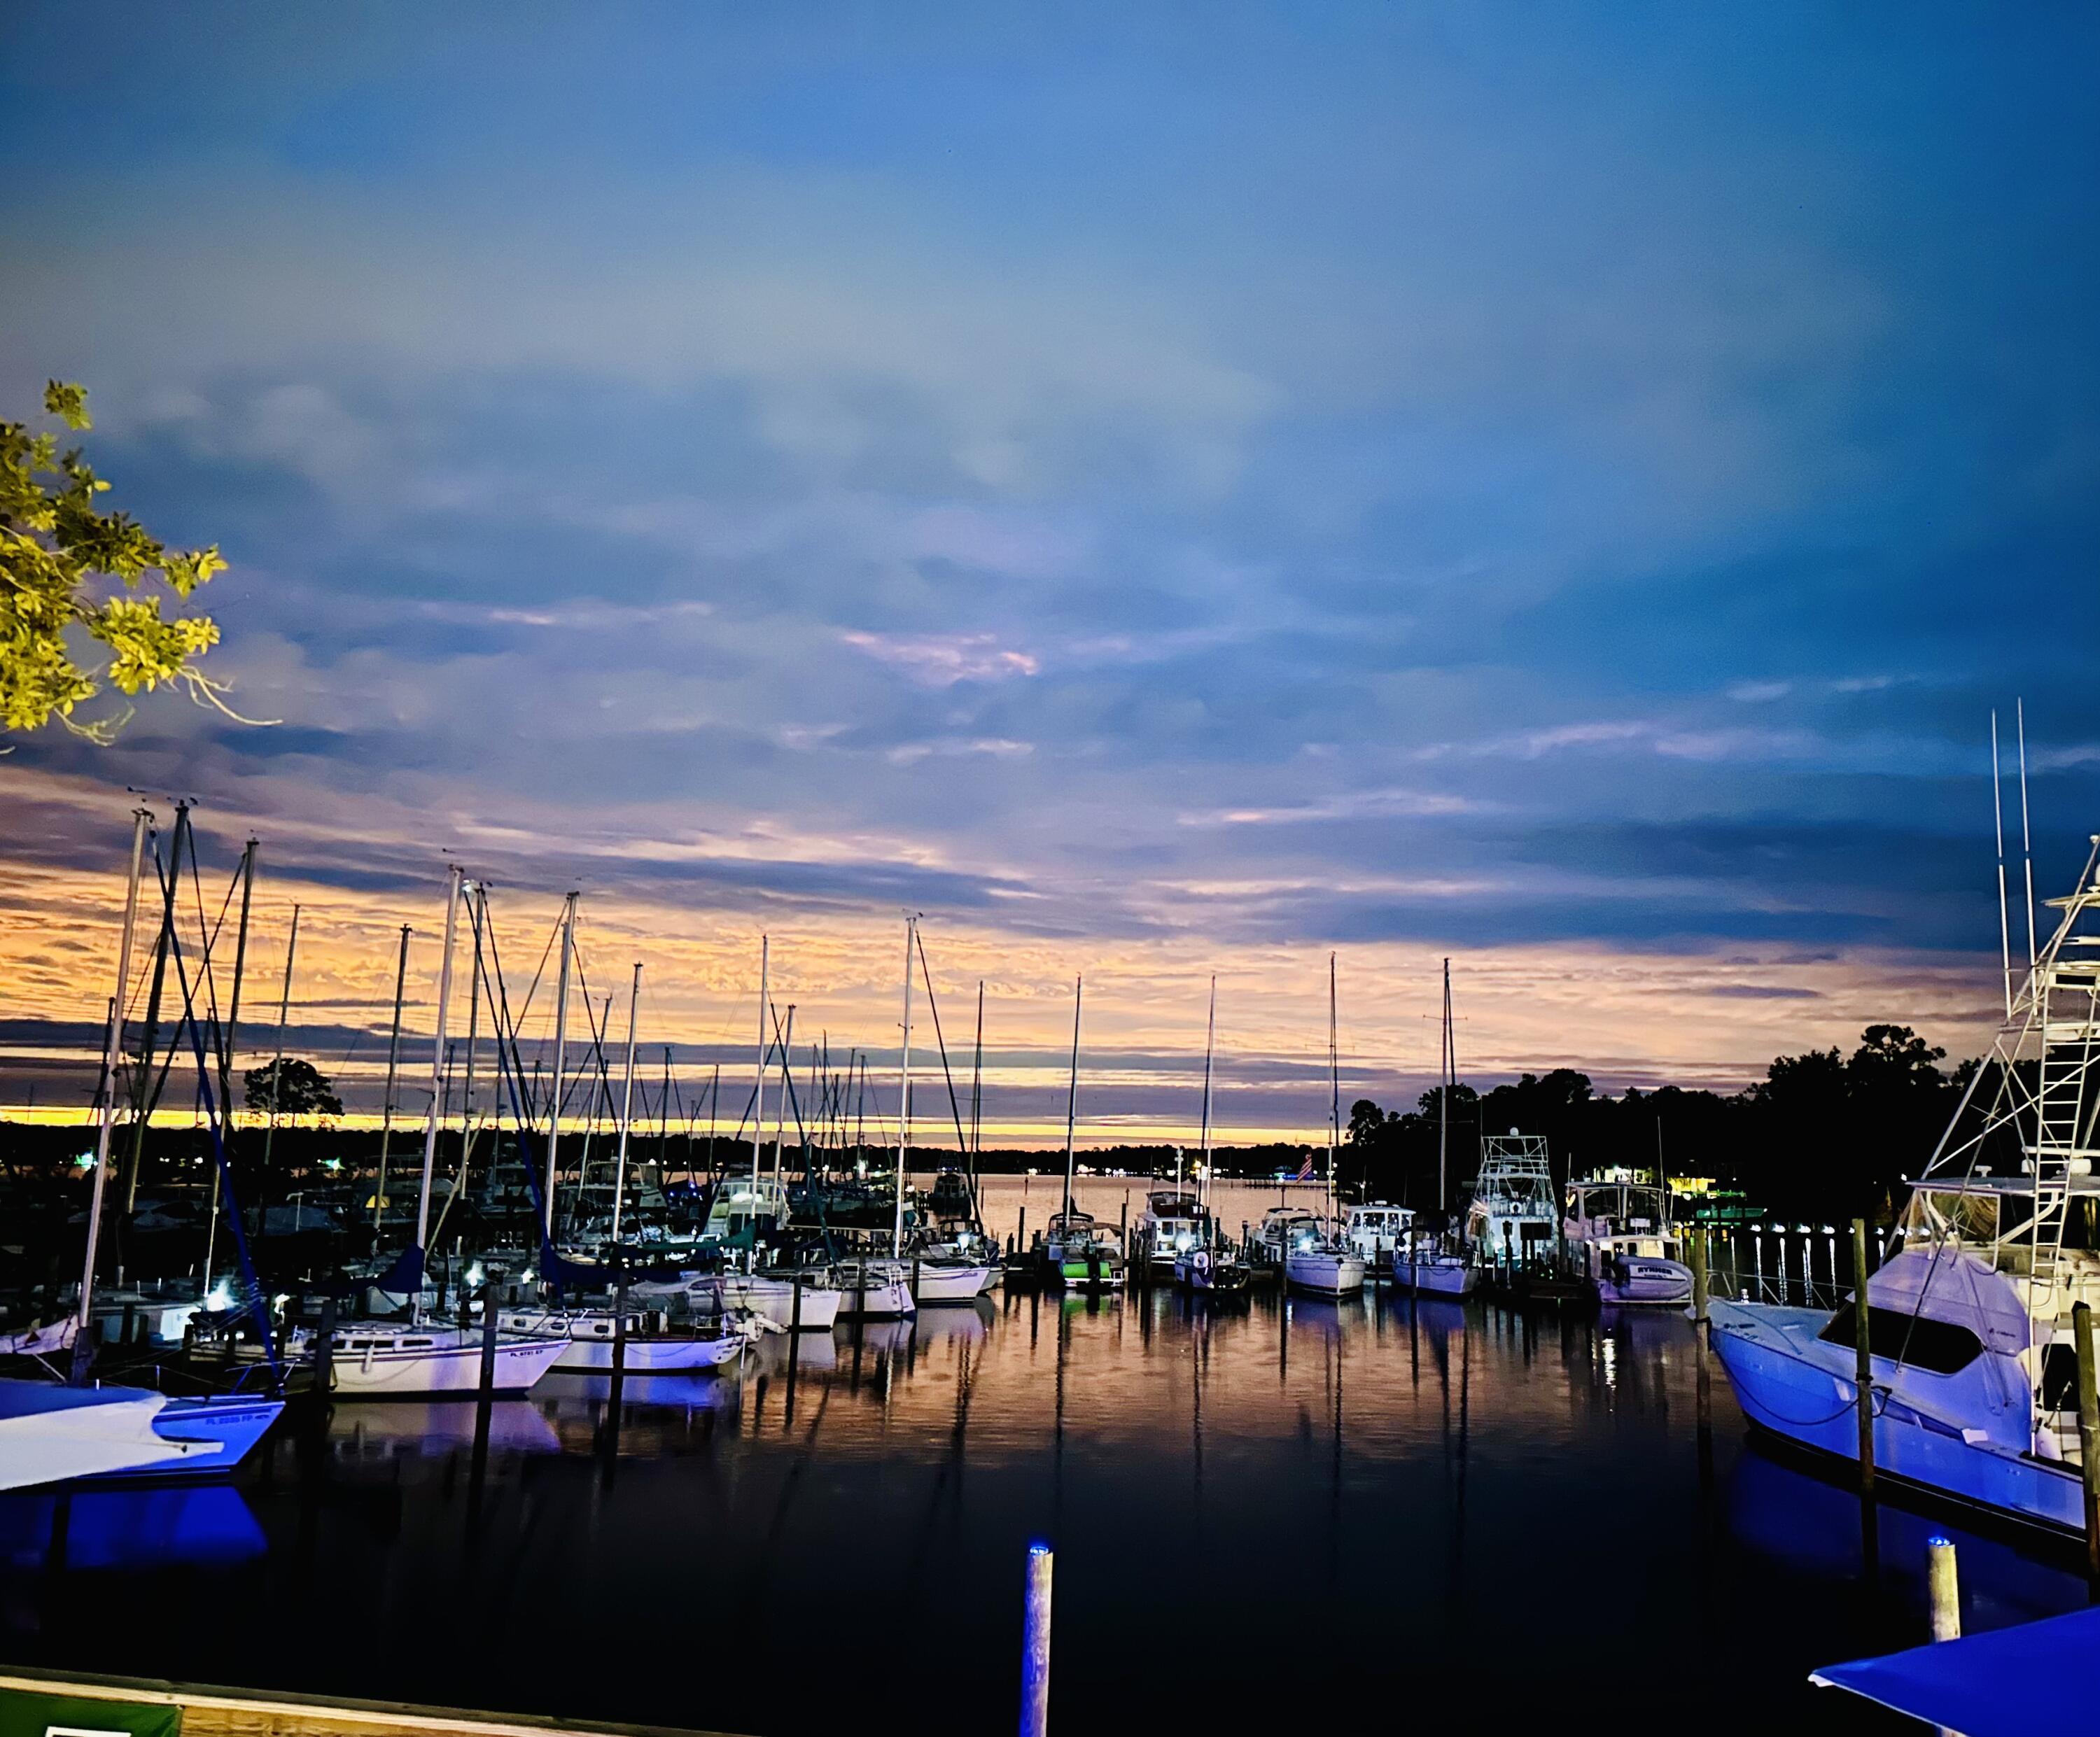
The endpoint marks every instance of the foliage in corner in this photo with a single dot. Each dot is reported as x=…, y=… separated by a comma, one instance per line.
x=57, y=552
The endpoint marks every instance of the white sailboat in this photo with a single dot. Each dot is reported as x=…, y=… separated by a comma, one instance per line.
x=373, y=1358
x=1320, y=1260
x=1972, y=1325
x=1438, y=1264
x=955, y=1269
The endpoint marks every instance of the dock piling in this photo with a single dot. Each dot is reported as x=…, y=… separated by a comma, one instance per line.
x=487, y=1343
x=325, y=1350
x=2088, y=1432
x=1946, y=1589
x=1035, y=1643
x=1699, y=1283
x=1863, y=1364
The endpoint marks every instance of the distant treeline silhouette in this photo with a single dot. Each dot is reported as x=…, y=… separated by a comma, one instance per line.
x=1823, y=1136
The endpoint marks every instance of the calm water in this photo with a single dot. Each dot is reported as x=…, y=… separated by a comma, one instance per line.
x=1391, y=1507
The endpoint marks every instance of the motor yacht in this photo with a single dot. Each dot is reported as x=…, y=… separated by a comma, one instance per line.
x=1618, y=1230
x=1970, y=1325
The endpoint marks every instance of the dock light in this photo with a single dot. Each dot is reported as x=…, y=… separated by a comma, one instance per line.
x=1184, y=1240
x=474, y=1275
x=85, y=1161
x=221, y=1297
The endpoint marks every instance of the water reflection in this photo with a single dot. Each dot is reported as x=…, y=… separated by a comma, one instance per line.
x=1381, y=1480
x=205, y=1525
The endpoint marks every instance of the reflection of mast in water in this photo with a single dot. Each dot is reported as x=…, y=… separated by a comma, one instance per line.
x=1334, y=1497
x=1458, y=1510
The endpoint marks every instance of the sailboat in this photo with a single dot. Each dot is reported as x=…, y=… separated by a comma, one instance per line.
x=953, y=1262
x=1972, y=1326
x=390, y=1359
x=1081, y=1254
x=1438, y=1265
x=1314, y=1257
x=879, y=1288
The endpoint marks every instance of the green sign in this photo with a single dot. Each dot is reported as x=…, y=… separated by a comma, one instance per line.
x=25, y=1714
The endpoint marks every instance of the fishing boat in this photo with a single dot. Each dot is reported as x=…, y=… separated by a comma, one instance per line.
x=1514, y=1209
x=1971, y=1325
x=1174, y=1221
x=1618, y=1230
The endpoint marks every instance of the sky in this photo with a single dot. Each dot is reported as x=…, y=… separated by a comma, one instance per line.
x=1161, y=491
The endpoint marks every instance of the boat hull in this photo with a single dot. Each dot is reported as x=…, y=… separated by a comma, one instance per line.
x=648, y=1356
x=774, y=1298
x=1329, y=1274
x=1437, y=1278
x=452, y=1370
x=1790, y=1393
x=940, y=1283
x=235, y=1425
x=1647, y=1282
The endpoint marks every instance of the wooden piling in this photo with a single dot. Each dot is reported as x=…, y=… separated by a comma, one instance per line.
x=1863, y=1343
x=2088, y=1432
x=1035, y=1643
x=487, y=1344
x=1945, y=1588
x=325, y=1350
x=1699, y=1279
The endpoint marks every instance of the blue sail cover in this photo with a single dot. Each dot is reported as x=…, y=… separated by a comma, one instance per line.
x=2029, y=1678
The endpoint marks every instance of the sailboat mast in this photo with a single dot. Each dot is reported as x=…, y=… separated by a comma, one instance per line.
x=626, y=1103
x=780, y=1109
x=1335, y=1083
x=561, y=1048
x=478, y=898
x=976, y=1094
x=111, y=1050
x=1072, y=1098
x=393, y=1062
x=1445, y=1065
x=284, y=1013
x=437, y=1071
x=233, y=1008
x=904, y=1089
x=758, y=1111
x=1210, y=1044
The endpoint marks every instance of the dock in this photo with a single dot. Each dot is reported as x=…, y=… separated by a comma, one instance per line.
x=39, y=1703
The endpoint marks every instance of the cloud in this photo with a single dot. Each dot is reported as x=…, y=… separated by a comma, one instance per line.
x=941, y=660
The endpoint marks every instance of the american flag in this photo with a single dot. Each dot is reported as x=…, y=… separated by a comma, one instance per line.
x=1305, y=1170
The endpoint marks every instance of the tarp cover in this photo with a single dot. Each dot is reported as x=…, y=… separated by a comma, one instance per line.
x=2029, y=1678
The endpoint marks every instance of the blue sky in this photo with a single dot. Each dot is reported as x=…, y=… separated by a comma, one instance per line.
x=1441, y=478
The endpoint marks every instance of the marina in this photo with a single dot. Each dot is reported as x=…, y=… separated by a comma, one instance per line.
x=1370, y=1433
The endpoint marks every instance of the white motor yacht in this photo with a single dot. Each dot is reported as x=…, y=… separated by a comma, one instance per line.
x=1377, y=1232
x=1174, y=1222
x=1619, y=1230
x=1082, y=1254
x=1971, y=1325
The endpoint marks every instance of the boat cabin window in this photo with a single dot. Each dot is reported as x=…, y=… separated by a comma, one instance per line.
x=1916, y=1341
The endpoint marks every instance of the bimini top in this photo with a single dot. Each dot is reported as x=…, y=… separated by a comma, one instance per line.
x=2011, y=1680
